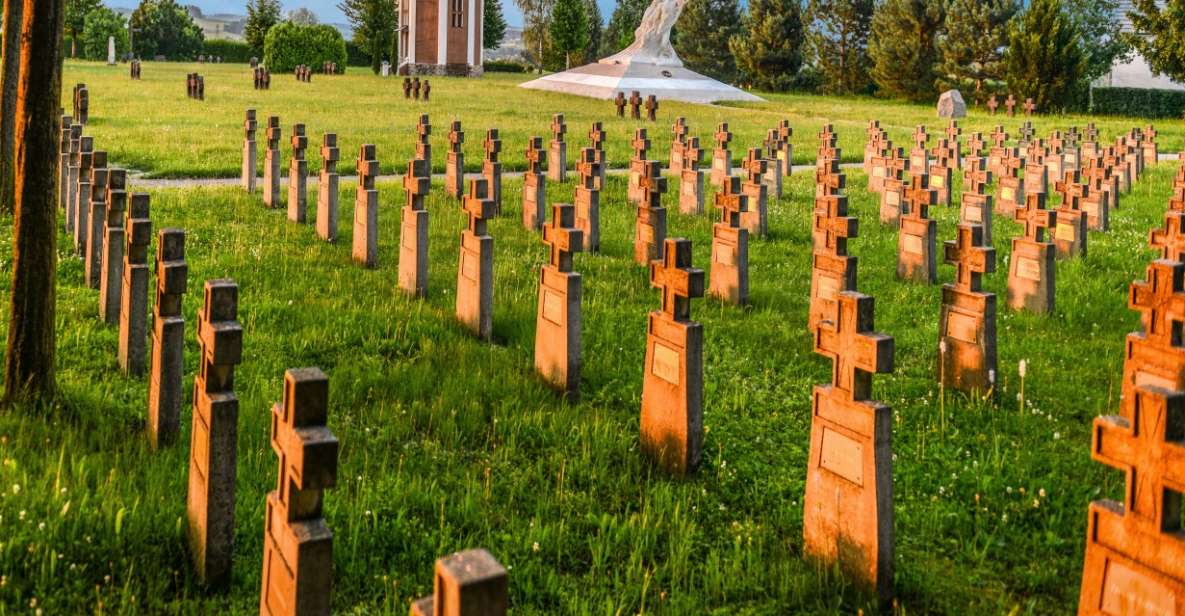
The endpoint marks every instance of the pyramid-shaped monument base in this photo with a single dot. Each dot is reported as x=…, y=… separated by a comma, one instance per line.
x=604, y=80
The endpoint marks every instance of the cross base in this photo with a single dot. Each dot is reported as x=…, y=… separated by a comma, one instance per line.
x=916, y=247
x=1031, y=276
x=967, y=326
x=475, y=284
x=1129, y=569
x=413, y=252
x=729, y=279
x=557, y=330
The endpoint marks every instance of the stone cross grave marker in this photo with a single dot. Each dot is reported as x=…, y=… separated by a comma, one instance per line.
x=833, y=270
x=635, y=105
x=1093, y=204
x=619, y=103
x=415, y=88
x=638, y=166
x=998, y=152
x=97, y=217
x=975, y=206
x=596, y=138
x=940, y=176
x=407, y=88
x=1131, y=563
x=1054, y=162
x=992, y=104
x=848, y=500
x=772, y=177
x=82, y=178
x=475, y=267
x=729, y=280
x=672, y=422
x=1030, y=107
x=413, y=233
x=1114, y=158
x=917, y=237
x=652, y=108
x=469, y=583
x=558, y=314
x=135, y=70
x=919, y=155
x=679, y=138
x=298, y=174
x=1101, y=180
x=427, y=90
x=975, y=145
x=1011, y=184
x=954, y=156
x=327, y=189
x=691, y=178
x=248, y=175
x=534, y=187
x=210, y=503
x=557, y=150
x=785, y=150
x=1169, y=240
x=454, y=164
x=829, y=180
x=892, y=183
x=168, y=339
x=1070, y=233
x=588, y=199
x=1036, y=178
x=1010, y=104
x=1149, y=149
x=491, y=167
x=873, y=146
x=1031, y=272
x=82, y=100
x=133, y=307
x=271, y=164
x=650, y=223
x=366, y=209
x=721, y=156
x=111, y=271
x=297, y=543
x=967, y=321
x=423, y=145
x=755, y=219
x=65, y=141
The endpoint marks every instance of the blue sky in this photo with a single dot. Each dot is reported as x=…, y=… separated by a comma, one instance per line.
x=327, y=9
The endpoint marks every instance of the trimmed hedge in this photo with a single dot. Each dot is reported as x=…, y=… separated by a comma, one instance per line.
x=501, y=66
x=228, y=50
x=288, y=45
x=1137, y=102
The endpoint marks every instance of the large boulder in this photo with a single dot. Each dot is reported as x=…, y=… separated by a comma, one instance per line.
x=951, y=105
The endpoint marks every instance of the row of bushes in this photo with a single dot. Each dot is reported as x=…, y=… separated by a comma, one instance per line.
x=230, y=51
x=501, y=66
x=1138, y=102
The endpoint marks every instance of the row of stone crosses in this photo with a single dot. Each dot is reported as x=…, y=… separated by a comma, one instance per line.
x=111, y=230
x=412, y=87
x=850, y=433
x=1010, y=105
x=1134, y=557
x=635, y=102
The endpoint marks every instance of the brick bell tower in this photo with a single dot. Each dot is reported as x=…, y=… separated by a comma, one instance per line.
x=440, y=37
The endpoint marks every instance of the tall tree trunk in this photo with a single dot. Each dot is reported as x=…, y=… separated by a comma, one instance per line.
x=29, y=363
x=8, y=78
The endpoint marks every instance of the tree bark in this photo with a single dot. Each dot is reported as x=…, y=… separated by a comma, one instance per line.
x=29, y=363
x=11, y=45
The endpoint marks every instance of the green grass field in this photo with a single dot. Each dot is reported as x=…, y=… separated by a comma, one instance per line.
x=449, y=443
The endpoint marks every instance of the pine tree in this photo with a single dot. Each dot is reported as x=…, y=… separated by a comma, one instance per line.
x=569, y=29
x=619, y=34
x=768, y=51
x=374, y=23
x=261, y=16
x=1044, y=60
x=971, y=53
x=837, y=43
x=1163, y=43
x=902, y=47
x=702, y=35
x=493, y=28
x=596, y=26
